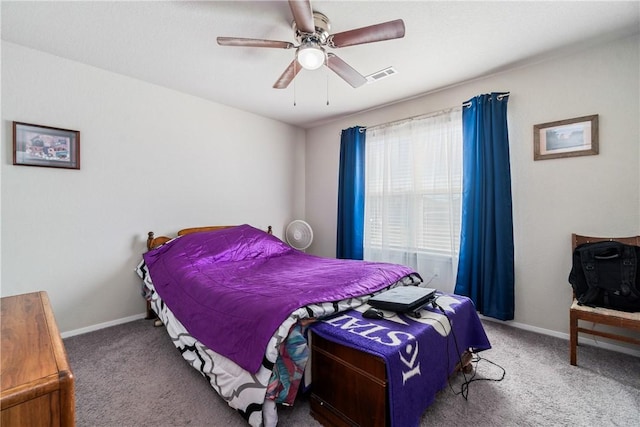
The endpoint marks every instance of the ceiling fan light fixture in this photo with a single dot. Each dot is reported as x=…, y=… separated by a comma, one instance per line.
x=310, y=55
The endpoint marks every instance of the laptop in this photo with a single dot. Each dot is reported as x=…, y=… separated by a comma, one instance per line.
x=402, y=298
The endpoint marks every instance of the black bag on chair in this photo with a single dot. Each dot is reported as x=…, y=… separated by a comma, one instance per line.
x=605, y=274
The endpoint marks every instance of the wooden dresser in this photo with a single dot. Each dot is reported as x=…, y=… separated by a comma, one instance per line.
x=37, y=385
x=349, y=387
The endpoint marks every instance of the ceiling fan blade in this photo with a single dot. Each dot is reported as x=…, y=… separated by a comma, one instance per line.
x=236, y=41
x=345, y=71
x=303, y=15
x=288, y=75
x=373, y=33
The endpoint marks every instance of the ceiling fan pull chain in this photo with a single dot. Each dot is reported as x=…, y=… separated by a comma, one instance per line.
x=327, y=74
x=294, y=84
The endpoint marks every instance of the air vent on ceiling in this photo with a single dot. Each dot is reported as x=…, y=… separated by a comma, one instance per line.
x=382, y=74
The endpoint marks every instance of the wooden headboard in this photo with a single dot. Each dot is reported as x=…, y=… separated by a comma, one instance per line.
x=153, y=241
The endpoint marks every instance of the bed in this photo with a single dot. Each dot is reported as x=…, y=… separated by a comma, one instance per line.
x=236, y=302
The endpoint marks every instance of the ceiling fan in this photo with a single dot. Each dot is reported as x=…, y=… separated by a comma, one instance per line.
x=311, y=31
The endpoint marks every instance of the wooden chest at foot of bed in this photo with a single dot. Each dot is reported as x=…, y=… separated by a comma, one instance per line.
x=349, y=387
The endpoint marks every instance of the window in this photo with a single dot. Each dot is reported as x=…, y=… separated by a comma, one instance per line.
x=413, y=181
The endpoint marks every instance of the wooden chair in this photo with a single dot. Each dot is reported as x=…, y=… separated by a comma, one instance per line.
x=605, y=316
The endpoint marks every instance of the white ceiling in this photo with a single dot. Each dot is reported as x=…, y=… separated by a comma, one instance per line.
x=173, y=44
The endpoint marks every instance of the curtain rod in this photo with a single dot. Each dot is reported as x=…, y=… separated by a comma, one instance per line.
x=408, y=119
x=424, y=116
x=502, y=95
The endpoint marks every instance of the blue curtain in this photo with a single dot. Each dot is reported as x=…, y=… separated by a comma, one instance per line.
x=486, y=266
x=350, y=236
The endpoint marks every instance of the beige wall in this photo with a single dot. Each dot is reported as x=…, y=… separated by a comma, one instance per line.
x=152, y=159
x=155, y=159
x=597, y=195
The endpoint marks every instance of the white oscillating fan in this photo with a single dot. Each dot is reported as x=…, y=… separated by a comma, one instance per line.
x=299, y=234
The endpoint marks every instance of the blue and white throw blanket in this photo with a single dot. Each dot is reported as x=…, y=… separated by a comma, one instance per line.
x=420, y=353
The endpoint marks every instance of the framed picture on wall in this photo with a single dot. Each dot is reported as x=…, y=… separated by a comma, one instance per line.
x=36, y=145
x=566, y=138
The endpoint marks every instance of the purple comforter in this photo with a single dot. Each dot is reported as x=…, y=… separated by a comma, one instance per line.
x=232, y=288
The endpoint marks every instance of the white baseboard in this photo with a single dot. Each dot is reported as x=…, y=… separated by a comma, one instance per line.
x=581, y=339
x=99, y=326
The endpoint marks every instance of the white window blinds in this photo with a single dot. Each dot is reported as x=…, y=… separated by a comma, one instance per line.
x=413, y=180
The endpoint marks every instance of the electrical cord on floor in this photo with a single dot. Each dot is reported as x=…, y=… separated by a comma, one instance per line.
x=464, y=387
